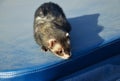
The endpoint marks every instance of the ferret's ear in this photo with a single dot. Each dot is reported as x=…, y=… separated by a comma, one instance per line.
x=67, y=35
x=51, y=43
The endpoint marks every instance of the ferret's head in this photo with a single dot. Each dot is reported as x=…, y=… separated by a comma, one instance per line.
x=60, y=46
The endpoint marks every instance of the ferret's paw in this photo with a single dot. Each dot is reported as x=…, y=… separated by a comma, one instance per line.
x=44, y=49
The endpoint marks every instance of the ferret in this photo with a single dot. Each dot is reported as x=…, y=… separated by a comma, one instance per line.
x=51, y=30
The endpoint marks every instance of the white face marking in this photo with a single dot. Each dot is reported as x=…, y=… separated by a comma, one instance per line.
x=65, y=56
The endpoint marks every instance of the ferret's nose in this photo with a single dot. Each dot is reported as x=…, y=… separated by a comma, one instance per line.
x=66, y=56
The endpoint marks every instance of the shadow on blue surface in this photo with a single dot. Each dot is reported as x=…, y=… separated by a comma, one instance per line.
x=85, y=32
x=84, y=38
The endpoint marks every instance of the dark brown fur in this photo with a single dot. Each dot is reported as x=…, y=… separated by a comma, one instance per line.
x=50, y=23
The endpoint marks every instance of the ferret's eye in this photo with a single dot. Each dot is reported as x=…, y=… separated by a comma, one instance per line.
x=58, y=52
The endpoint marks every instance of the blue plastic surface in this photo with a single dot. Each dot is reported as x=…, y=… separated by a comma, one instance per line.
x=94, y=24
x=108, y=70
